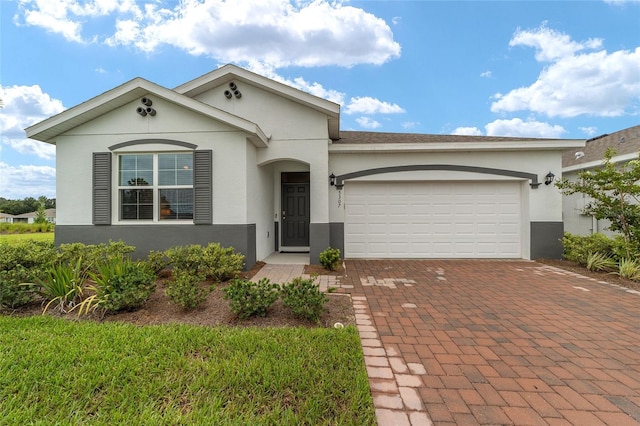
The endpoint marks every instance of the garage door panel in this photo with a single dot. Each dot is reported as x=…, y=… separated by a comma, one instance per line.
x=433, y=219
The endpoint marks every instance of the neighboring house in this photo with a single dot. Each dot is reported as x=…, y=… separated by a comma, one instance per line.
x=6, y=218
x=30, y=217
x=236, y=158
x=626, y=144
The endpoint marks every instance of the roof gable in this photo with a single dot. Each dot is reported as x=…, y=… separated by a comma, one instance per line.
x=52, y=127
x=229, y=72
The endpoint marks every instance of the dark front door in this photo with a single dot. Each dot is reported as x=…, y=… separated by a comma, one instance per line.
x=295, y=214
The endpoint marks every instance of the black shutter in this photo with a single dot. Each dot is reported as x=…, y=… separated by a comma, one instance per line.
x=202, y=187
x=102, y=188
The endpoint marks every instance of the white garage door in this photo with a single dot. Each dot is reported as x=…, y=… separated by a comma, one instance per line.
x=433, y=220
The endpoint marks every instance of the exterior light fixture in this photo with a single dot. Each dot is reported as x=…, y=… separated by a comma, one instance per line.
x=332, y=179
x=548, y=179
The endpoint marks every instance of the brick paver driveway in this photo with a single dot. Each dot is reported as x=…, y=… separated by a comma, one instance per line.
x=496, y=342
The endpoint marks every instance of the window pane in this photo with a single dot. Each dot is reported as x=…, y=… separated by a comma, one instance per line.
x=175, y=169
x=166, y=177
x=136, y=170
x=176, y=204
x=185, y=177
x=136, y=204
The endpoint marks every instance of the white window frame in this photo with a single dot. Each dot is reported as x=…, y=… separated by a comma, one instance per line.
x=155, y=188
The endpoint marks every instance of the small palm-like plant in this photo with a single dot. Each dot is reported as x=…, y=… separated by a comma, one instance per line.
x=600, y=262
x=629, y=268
x=62, y=285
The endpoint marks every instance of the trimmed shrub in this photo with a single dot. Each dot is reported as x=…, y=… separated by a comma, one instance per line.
x=247, y=298
x=304, y=298
x=13, y=290
x=157, y=261
x=93, y=254
x=330, y=258
x=212, y=261
x=222, y=263
x=577, y=247
x=186, y=290
x=120, y=284
x=20, y=263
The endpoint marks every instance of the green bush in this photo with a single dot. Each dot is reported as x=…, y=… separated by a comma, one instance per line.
x=247, y=298
x=93, y=254
x=187, y=290
x=120, y=284
x=330, y=258
x=187, y=258
x=304, y=298
x=13, y=291
x=22, y=262
x=27, y=253
x=222, y=263
x=157, y=261
x=212, y=261
x=577, y=247
x=25, y=228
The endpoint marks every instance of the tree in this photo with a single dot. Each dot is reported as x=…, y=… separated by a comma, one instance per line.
x=615, y=196
x=41, y=215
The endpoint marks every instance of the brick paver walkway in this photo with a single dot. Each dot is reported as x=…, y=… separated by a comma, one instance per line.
x=496, y=342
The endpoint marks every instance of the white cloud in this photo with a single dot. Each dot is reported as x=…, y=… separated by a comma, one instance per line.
x=276, y=32
x=595, y=83
x=486, y=74
x=550, y=44
x=589, y=131
x=23, y=181
x=368, y=123
x=469, y=131
x=516, y=127
x=65, y=17
x=408, y=125
x=369, y=105
x=24, y=106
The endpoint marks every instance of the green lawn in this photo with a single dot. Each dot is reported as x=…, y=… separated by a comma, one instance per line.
x=55, y=371
x=37, y=236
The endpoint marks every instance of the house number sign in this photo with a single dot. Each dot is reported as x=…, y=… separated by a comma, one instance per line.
x=339, y=198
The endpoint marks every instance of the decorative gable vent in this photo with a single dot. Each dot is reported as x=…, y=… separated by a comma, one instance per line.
x=232, y=91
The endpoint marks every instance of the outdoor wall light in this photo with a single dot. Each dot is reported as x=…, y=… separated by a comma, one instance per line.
x=332, y=179
x=548, y=179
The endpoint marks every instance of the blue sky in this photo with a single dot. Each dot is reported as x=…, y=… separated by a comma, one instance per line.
x=549, y=69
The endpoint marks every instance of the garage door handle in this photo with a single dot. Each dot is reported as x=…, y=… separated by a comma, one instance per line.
x=284, y=213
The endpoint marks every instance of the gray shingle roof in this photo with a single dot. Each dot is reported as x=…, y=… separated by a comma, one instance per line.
x=356, y=137
x=625, y=141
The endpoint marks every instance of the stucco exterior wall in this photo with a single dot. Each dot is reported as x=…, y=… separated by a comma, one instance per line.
x=74, y=150
x=544, y=203
x=278, y=117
